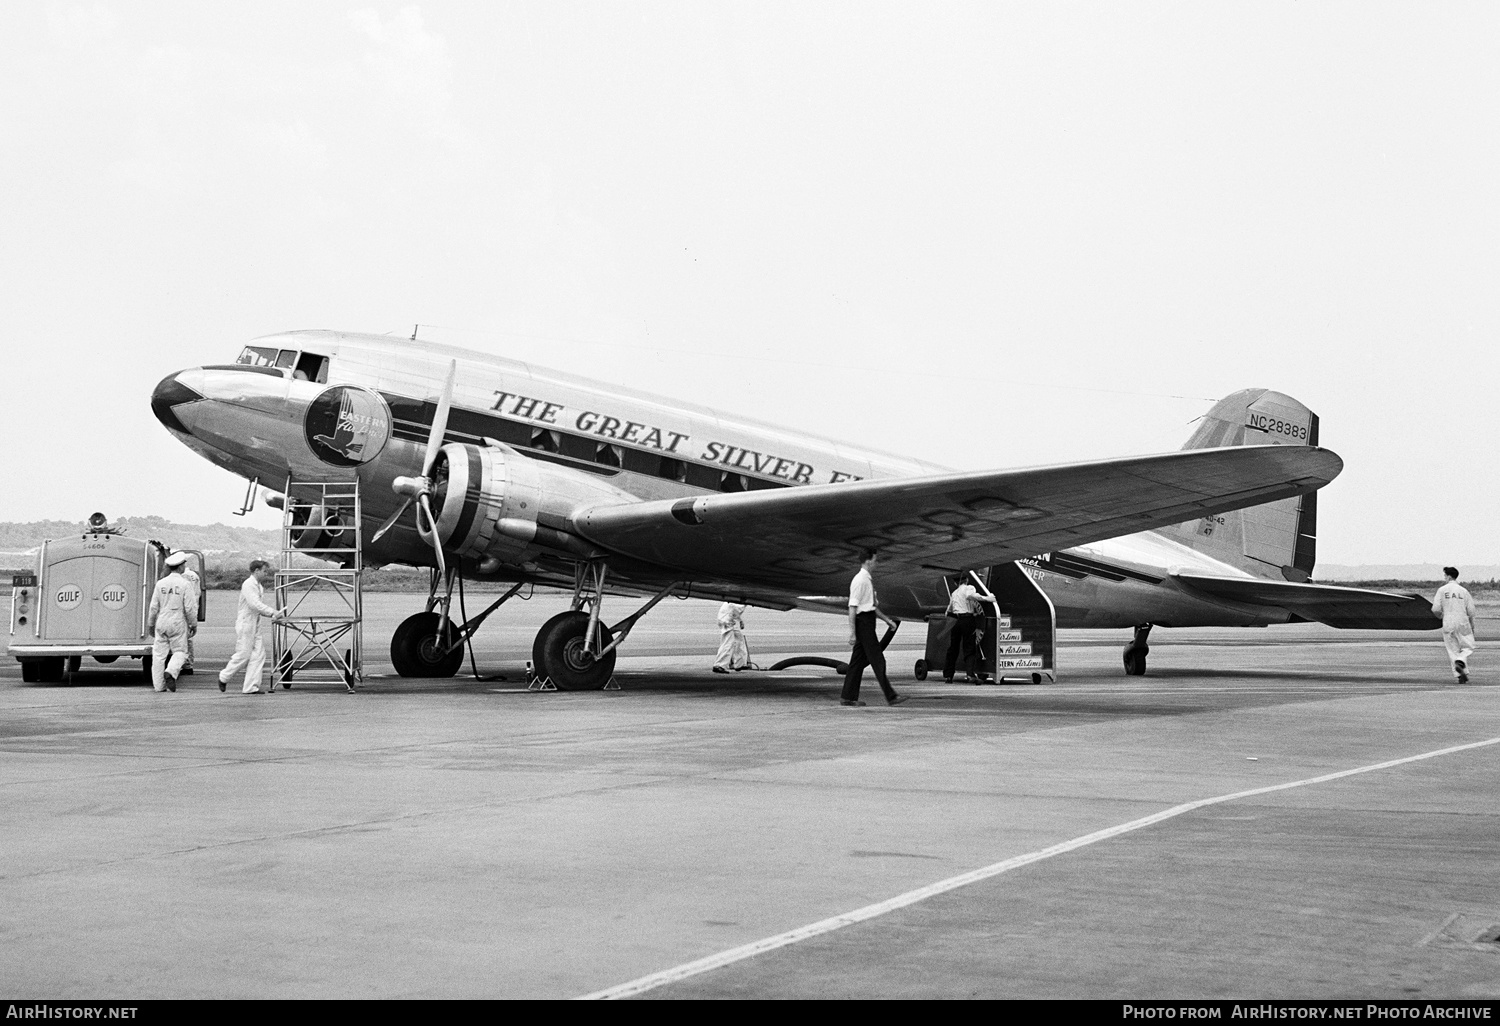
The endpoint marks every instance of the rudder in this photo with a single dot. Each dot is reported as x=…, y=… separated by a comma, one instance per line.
x=1277, y=540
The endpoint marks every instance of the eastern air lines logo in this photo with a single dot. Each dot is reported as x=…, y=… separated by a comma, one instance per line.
x=347, y=426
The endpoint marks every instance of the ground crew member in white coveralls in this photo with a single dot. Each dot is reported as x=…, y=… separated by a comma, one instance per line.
x=174, y=604
x=1456, y=606
x=734, y=654
x=197, y=583
x=249, y=649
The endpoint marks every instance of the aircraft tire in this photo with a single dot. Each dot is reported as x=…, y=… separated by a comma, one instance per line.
x=920, y=670
x=558, y=653
x=414, y=648
x=1135, y=662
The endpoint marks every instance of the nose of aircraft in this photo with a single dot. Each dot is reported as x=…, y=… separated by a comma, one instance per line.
x=169, y=394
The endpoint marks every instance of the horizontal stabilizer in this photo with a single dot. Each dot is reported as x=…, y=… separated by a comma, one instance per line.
x=1351, y=608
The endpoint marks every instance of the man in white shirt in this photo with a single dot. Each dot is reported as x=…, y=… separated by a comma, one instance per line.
x=174, y=604
x=864, y=610
x=967, y=613
x=734, y=654
x=1456, y=606
x=249, y=649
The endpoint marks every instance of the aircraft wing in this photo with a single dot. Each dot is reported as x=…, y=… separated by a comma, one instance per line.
x=807, y=540
x=1357, y=608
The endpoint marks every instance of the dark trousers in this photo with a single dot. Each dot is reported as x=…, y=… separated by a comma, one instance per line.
x=866, y=653
x=960, y=640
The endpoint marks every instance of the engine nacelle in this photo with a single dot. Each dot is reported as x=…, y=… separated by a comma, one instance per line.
x=487, y=501
x=320, y=528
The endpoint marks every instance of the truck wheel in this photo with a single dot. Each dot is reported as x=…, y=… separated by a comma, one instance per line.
x=52, y=669
x=74, y=662
x=30, y=671
x=146, y=667
x=105, y=659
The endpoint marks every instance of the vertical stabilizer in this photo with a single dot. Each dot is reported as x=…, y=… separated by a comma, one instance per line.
x=1277, y=540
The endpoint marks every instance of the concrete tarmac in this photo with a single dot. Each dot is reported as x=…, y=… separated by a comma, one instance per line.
x=467, y=838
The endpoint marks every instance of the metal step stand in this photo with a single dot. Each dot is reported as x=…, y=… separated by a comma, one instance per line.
x=321, y=639
x=1026, y=642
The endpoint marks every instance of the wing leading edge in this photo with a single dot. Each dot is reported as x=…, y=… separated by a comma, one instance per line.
x=1352, y=608
x=806, y=540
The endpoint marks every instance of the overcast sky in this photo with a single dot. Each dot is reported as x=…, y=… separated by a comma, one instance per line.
x=1082, y=222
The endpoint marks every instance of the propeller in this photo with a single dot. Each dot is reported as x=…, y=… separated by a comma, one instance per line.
x=419, y=489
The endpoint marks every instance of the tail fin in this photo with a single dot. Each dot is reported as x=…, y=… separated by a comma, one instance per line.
x=1278, y=540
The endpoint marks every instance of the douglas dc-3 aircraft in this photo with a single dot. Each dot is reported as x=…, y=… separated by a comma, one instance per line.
x=495, y=469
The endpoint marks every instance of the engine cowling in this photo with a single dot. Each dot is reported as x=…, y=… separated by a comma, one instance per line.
x=319, y=528
x=488, y=501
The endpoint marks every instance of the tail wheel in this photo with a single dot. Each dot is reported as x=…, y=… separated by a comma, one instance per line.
x=1135, y=661
x=920, y=670
x=417, y=647
x=559, y=652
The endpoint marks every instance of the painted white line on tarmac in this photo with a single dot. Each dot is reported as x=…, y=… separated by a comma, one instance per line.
x=781, y=940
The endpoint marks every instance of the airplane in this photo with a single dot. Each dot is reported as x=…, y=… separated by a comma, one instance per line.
x=487, y=468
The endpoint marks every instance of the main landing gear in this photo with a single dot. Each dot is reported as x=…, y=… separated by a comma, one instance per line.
x=575, y=649
x=429, y=644
x=1135, y=652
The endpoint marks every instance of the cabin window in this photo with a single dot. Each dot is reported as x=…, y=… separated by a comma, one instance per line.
x=547, y=441
x=609, y=455
x=731, y=482
x=673, y=470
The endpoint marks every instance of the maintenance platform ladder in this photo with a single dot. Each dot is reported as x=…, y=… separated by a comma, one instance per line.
x=321, y=638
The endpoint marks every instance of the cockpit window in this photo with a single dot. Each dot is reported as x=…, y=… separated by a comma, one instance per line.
x=255, y=356
x=312, y=367
x=286, y=358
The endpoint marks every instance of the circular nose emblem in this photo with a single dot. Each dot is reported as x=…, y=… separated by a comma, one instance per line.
x=347, y=426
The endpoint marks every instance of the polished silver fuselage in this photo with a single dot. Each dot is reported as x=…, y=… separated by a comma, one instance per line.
x=622, y=445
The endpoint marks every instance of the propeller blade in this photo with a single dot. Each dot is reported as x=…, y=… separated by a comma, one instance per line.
x=437, y=543
x=439, y=422
x=390, y=521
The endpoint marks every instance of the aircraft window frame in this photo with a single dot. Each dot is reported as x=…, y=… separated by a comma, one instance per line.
x=312, y=367
x=609, y=455
x=257, y=356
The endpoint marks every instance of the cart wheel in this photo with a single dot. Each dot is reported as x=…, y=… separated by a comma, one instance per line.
x=920, y=670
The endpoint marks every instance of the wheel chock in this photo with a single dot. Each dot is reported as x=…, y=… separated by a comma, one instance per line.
x=612, y=685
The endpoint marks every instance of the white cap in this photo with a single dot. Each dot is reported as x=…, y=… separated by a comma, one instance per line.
x=176, y=559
